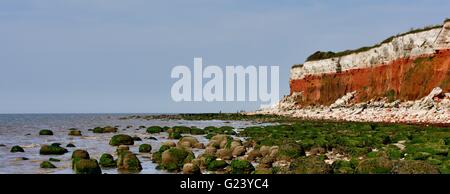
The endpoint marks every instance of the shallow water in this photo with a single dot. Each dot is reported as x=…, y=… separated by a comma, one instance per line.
x=23, y=129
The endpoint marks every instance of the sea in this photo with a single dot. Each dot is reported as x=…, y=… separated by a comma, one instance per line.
x=23, y=130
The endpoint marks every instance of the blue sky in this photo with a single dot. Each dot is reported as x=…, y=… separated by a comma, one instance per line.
x=84, y=56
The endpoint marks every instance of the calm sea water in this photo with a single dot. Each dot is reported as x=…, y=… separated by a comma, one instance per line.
x=23, y=129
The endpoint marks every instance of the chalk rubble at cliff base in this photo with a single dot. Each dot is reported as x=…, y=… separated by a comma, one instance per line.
x=433, y=108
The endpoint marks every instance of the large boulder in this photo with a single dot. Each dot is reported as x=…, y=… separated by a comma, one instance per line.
x=121, y=149
x=52, y=150
x=80, y=154
x=210, y=151
x=234, y=144
x=45, y=132
x=264, y=150
x=190, y=168
x=274, y=151
x=121, y=139
x=238, y=151
x=224, y=154
x=189, y=142
x=219, y=141
x=145, y=148
x=157, y=156
x=343, y=100
x=428, y=100
x=128, y=161
x=266, y=162
x=173, y=159
x=253, y=155
x=86, y=166
x=17, y=149
x=241, y=167
x=107, y=161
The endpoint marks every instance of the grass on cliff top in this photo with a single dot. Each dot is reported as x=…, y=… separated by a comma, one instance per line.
x=320, y=55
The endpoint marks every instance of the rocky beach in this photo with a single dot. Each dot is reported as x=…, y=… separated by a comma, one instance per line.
x=431, y=109
x=203, y=144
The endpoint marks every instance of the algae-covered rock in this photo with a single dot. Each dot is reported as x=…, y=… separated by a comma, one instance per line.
x=291, y=150
x=238, y=151
x=175, y=135
x=128, y=161
x=70, y=145
x=145, y=148
x=52, y=150
x=216, y=164
x=121, y=149
x=220, y=141
x=86, y=166
x=17, y=149
x=107, y=161
x=154, y=129
x=210, y=151
x=197, y=131
x=80, y=154
x=45, y=132
x=189, y=142
x=173, y=159
x=107, y=129
x=136, y=138
x=75, y=133
x=54, y=160
x=241, y=167
x=190, y=168
x=224, y=154
x=121, y=139
x=47, y=164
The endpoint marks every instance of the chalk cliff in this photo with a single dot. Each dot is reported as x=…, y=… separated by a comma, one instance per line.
x=404, y=67
x=405, y=78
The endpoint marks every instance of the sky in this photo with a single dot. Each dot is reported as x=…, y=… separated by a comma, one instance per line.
x=116, y=56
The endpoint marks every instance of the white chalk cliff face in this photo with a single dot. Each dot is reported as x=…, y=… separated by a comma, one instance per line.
x=409, y=45
x=406, y=79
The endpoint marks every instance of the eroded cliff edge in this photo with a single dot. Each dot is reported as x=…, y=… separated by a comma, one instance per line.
x=406, y=78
